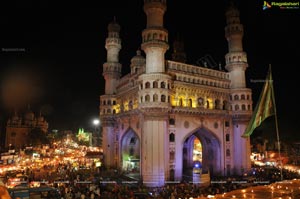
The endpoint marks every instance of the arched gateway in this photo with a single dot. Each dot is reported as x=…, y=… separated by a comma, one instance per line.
x=201, y=149
x=130, y=153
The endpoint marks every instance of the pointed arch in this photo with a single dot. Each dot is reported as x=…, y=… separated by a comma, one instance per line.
x=130, y=151
x=211, y=150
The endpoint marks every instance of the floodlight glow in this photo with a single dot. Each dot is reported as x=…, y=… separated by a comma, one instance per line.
x=96, y=121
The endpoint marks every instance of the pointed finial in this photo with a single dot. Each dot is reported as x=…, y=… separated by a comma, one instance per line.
x=220, y=66
x=231, y=5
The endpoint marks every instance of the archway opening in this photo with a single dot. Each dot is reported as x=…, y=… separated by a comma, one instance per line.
x=197, y=151
x=201, y=153
x=130, y=149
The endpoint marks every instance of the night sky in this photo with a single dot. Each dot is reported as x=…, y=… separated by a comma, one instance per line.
x=52, y=52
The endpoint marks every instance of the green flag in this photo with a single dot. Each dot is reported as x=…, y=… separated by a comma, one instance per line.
x=265, y=106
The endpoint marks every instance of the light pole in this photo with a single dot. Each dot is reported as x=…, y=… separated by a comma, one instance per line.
x=96, y=123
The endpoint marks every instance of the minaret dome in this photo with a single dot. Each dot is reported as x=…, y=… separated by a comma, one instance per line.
x=113, y=26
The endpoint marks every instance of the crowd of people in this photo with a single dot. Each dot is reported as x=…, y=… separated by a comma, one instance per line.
x=109, y=184
x=115, y=189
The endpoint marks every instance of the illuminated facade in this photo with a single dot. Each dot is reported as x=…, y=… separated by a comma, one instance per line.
x=165, y=116
x=18, y=127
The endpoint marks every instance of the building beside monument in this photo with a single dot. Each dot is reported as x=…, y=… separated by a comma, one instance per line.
x=19, y=125
x=166, y=117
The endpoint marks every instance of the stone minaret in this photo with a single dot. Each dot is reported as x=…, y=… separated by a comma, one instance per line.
x=111, y=72
x=155, y=37
x=240, y=96
x=236, y=58
x=154, y=95
x=112, y=68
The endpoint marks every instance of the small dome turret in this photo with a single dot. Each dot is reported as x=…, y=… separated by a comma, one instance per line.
x=15, y=116
x=29, y=115
x=137, y=61
x=40, y=118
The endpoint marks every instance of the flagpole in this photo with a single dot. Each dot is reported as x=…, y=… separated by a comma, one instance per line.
x=276, y=126
x=278, y=143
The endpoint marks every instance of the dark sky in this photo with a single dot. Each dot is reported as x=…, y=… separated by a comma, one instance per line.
x=52, y=51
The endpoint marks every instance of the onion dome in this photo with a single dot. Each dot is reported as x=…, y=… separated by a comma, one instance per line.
x=114, y=26
x=138, y=59
x=29, y=115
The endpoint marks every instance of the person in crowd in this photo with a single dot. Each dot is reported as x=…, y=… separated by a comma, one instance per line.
x=4, y=193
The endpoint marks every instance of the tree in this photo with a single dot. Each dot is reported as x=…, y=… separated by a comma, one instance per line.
x=37, y=137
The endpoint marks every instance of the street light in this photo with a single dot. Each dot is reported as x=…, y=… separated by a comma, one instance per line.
x=96, y=123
